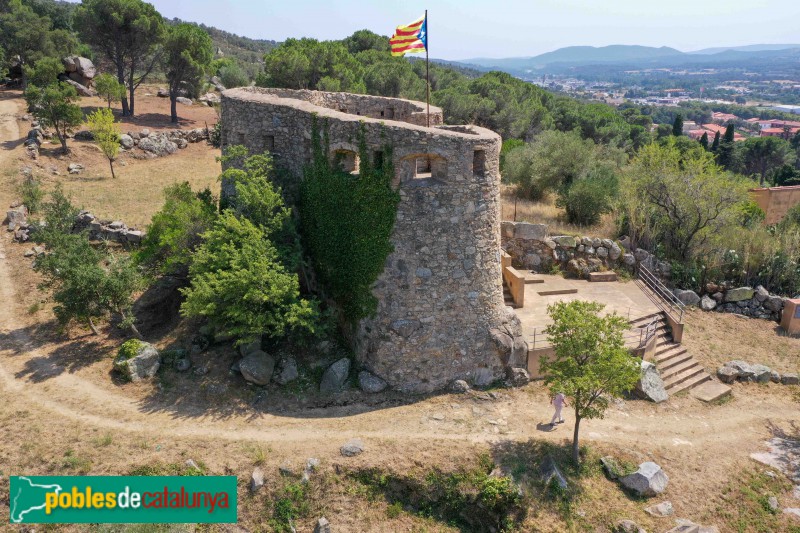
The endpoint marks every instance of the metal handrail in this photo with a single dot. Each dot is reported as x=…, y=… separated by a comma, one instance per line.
x=634, y=338
x=666, y=300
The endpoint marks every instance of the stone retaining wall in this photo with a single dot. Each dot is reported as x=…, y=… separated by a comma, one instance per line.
x=532, y=248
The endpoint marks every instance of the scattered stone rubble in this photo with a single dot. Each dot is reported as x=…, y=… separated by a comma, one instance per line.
x=106, y=230
x=746, y=372
x=753, y=302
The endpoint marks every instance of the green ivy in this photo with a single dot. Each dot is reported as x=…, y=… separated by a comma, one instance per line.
x=347, y=223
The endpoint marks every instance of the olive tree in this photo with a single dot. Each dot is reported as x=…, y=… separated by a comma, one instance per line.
x=54, y=106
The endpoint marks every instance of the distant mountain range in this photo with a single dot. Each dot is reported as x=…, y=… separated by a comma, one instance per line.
x=633, y=56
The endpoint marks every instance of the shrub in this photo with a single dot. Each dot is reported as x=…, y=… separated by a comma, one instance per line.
x=31, y=194
x=232, y=76
x=129, y=349
x=585, y=202
x=239, y=284
x=59, y=216
x=215, y=135
x=176, y=231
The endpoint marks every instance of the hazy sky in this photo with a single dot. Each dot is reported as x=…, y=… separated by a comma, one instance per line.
x=503, y=28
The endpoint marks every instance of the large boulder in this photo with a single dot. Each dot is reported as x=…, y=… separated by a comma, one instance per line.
x=335, y=376
x=740, y=294
x=707, y=303
x=183, y=100
x=371, y=383
x=744, y=371
x=762, y=373
x=687, y=297
x=648, y=481
x=85, y=67
x=528, y=231
x=257, y=367
x=16, y=217
x=727, y=374
x=790, y=378
x=565, y=241
x=774, y=303
x=158, y=145
x=126, y=141
x=137, y=360
x=650, y=385
x=286, y=371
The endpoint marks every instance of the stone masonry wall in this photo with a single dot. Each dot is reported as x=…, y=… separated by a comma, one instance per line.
x=441, y=315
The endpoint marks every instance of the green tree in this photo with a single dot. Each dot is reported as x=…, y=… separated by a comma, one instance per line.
x=54, y=107
x=759, y=156
x=87, y=282
x=45, y=72
x=232, y=75
x=677, y=126
x=187, y=55
x=554, y=160
x=715, y=144
x=704, y=141
x=239, y=284
x=680, y=199
x=590, y=364
x=303, y=63
x=25, y=35
x=589, y=197
x=176, y=231
x=108, y=88
x=128, y=33
x=726, y=155
x=106, y=134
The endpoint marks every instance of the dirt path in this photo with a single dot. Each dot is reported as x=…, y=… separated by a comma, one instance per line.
x=681, y=424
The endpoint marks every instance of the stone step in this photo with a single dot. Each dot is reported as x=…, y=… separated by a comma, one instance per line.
x=673, y=359
x=602, y=276
x=667, y=350
x=642, y=321
x=557, y=291
x=687, y=374
x=529, y=278
x=678, y=368
x=689, y=384
x=710, y=391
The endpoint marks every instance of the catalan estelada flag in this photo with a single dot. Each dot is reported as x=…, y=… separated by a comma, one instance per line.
x=410, y=39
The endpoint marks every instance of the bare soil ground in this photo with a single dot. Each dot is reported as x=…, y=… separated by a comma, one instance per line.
x=64, y=413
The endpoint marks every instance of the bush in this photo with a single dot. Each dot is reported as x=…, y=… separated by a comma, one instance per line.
x=129, y=349
x=585, y=202
x=232, y=76
x=176, y=231
x=31, y=194
x=215, y=135
x=239, y=284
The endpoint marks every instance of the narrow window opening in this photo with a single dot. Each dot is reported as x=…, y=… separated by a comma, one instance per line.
x=269, y=143
x=479, y=163
x=377, y=159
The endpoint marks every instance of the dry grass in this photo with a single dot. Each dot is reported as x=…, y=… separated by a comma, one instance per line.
x=716, y=338
x=546, y=212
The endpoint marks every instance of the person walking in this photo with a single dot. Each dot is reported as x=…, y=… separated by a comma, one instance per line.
x=558, y=401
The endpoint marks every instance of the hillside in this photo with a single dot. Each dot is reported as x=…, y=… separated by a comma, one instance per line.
x=579, y=54
x=633, y=57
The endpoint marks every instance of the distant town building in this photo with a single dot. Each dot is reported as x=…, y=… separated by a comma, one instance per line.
x=711, y=130
x=795, y=109
x=723, y=118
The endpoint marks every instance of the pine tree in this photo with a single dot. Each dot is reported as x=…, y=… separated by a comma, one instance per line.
x=715, y=144
x=677, y=126
x=704, y=141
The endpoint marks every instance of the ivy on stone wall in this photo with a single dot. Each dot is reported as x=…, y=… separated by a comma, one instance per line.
x=347, y=222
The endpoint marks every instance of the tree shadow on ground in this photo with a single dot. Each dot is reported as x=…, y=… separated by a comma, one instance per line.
x=79, y=351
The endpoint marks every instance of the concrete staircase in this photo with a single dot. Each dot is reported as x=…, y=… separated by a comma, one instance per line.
x=679, y=370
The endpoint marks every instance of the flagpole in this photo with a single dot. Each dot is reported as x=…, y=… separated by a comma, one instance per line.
x=427, y=70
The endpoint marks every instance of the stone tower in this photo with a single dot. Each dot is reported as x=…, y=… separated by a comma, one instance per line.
x=441, y=314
